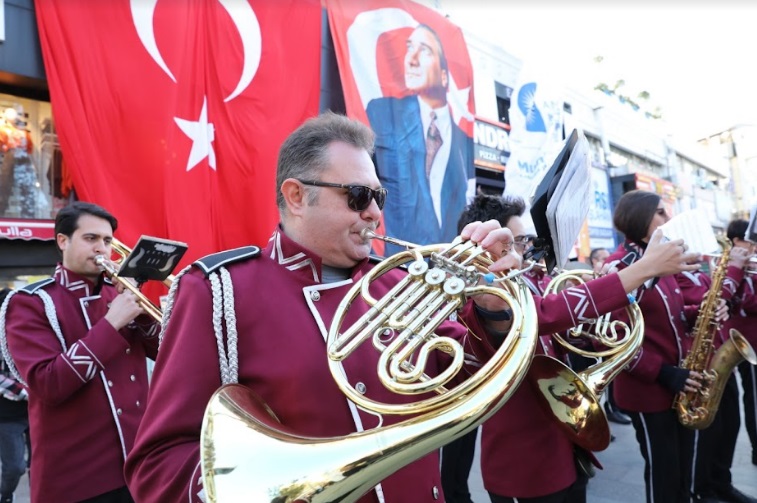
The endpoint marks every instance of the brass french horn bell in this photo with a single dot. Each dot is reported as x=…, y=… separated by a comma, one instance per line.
x=574, y=398
x=247, y=455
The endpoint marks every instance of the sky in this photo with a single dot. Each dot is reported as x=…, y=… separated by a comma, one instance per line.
x=697, y=60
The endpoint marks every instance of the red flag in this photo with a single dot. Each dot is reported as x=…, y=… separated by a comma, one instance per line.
x=370, y=38
x=395, y=76
x=170, y=113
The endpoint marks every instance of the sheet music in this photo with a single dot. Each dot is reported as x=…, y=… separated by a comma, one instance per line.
x=751, y=231
x=694, y=228
x=569, y=205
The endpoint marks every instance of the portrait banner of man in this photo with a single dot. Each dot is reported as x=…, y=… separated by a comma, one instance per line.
x=406, y=72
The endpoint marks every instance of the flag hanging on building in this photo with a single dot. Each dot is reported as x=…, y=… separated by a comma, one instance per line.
x=406, y=72
x=170, y=114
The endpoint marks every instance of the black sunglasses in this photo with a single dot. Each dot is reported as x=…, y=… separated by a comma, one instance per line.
x=358, y=196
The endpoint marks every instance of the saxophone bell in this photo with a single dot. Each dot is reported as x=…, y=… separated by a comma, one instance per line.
x=697, y=409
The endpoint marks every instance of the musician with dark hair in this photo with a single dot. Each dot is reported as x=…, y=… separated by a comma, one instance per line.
x=260, y=318
x=79, y=345
x=744, y=319
x=646, y=389
x=457, y=456
x=715, y=445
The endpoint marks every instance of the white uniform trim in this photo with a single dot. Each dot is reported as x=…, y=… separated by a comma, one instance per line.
x=307, y=292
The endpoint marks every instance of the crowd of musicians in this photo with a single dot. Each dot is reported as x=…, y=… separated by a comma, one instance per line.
x=102, y=431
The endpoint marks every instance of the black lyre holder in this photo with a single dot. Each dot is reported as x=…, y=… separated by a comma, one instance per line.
x=152, y=259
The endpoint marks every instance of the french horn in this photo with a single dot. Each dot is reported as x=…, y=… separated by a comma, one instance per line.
x=574, y=398
x=247, y=455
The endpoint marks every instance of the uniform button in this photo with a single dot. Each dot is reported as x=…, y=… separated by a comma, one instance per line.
x=435, y=492
x=86, y=303
x=678, y=291
x=138, y=403
x=110, y=383
x=316, y=296
x=360, y=387
x=128, y=351
x=119, y=412
x=132, y=378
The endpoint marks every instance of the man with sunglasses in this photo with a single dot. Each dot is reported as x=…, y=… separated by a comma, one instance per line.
x=261, y=318
x=285, y=298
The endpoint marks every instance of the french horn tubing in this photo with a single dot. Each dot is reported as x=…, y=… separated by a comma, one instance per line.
x=574, y=398
x=247, y=455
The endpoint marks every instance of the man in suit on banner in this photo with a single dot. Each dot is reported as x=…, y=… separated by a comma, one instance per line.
x=423, y=157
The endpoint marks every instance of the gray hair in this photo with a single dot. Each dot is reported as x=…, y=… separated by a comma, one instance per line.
x=304, y=153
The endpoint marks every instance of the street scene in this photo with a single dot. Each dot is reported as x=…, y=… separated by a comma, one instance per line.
x=285, y=250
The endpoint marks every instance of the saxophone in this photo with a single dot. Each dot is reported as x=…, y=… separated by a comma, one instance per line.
x=697, y=409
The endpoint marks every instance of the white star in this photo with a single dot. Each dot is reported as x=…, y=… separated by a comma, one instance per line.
x=202, y=135
x=458, y=100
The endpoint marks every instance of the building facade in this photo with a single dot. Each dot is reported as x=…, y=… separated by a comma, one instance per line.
x=30, y=160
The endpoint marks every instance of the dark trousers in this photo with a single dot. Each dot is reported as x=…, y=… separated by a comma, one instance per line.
x=120, y=495
x=12, y=454
x=668, y=451
x=576, y=493
x=716, y=444
x=457, y=459
x=748, y=377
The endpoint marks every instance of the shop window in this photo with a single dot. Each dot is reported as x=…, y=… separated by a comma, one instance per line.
x=31, y=166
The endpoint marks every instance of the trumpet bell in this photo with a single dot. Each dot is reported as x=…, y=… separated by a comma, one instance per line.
x=571, y=401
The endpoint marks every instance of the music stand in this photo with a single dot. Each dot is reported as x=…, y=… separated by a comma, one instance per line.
x=751, y=231
x=544, y=244
x=152, y=258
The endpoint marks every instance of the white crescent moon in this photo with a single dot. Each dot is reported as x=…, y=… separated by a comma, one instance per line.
x=249, y=30
x=241, y=13
x=142, y=12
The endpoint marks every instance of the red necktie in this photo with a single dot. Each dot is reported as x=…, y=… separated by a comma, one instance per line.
x=433, y=143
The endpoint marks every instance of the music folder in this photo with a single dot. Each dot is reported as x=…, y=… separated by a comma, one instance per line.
x=561, y=202
x=751, y=231
x=152, y=258
x=693, y=227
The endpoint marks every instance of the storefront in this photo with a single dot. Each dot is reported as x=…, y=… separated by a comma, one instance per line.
x=32, y=185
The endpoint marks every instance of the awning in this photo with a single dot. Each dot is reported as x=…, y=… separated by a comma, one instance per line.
x=27, y=229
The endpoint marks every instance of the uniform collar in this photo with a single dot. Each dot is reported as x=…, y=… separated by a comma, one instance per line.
x=296, y=258
x=73, y=282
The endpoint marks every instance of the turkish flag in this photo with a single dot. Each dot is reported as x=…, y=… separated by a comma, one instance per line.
x=170, y=113
x=370, y=39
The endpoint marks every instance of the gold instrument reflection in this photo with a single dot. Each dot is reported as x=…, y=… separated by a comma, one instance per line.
x=111, y=267
x=574, y=398
x=247, y=455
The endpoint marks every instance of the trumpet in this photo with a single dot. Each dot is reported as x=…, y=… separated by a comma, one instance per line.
x=112, y=272
x=111, y=267
x=124, y=251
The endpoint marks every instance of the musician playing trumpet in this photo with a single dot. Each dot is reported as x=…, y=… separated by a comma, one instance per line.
x=260, y=318
x=79, y=344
